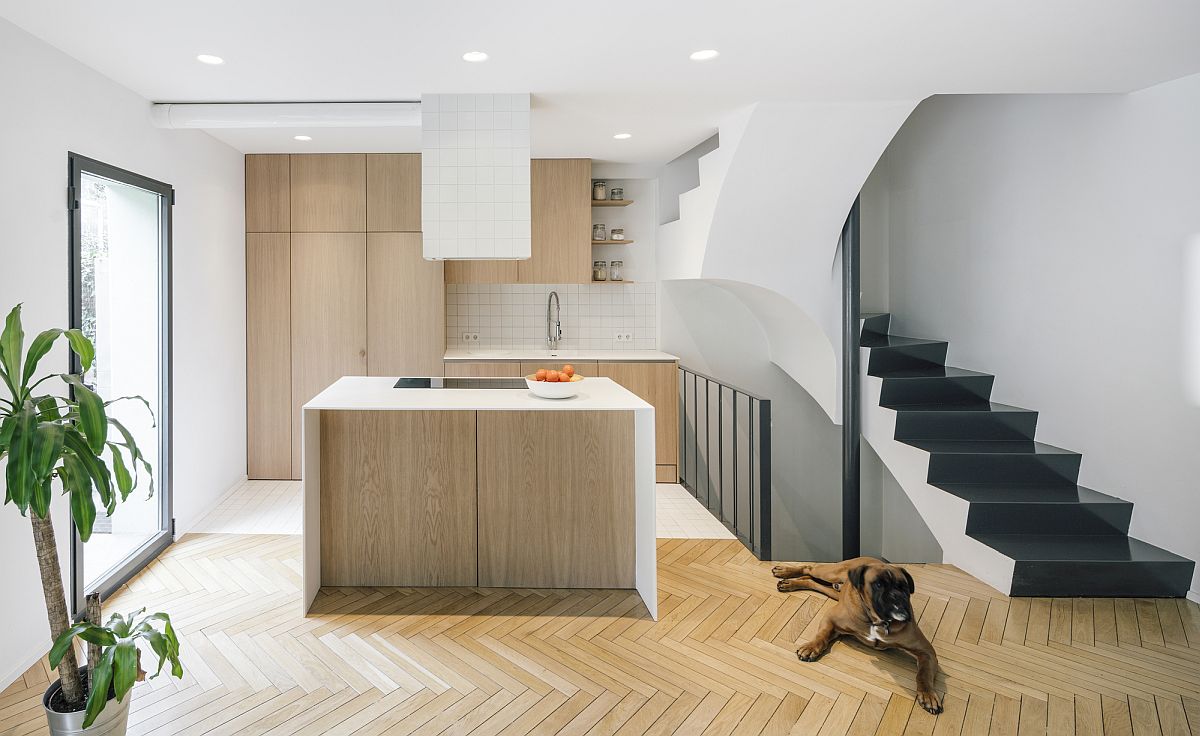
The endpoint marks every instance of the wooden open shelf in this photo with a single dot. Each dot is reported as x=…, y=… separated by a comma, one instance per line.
x=611, y=242
x=611, y=202
x=614, y=283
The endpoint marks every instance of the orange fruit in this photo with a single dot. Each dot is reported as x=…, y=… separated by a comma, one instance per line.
x=540, y=375
x=552, y=376
x=569, y=369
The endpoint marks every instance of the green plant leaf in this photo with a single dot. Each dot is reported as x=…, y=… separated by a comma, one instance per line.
x=83, y=508
x=124, y=667
x=159, y=644
x=82, y=347
x=63, y=643
x=121, y=472
x=38, y=349
x=94, y=464
x=47, y=407
x=47, y=448
x=11, y=341
x=6, y=431
x=98, y=683
x=19, y=475
x=93, y=421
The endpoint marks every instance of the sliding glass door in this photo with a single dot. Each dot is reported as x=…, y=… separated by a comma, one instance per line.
x=120, y=298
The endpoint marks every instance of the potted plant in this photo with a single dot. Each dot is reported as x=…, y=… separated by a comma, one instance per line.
x=45, y=437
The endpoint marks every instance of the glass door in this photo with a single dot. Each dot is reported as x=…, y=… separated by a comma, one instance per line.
x=120, y=298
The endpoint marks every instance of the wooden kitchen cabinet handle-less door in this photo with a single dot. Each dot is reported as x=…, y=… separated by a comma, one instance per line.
x=268, y=356
x=657, y=384
x=329, y=317
x=406, y=314
x=329, y=193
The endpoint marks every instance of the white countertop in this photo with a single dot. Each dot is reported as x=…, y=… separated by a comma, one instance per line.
x=565, y=354
x=377, y=392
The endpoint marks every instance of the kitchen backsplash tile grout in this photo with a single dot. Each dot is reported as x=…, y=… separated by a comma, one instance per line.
x=513, y=316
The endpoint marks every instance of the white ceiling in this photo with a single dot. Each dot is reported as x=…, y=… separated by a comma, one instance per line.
x=607, y=66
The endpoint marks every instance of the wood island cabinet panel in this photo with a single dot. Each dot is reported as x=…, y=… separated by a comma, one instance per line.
x=584, y=368
x=481, y=272
x=656, y=384
x=406, y=311
x=556, y=499
x=398, y=498
x=561, y=223
x=394, y=192
x=482, y=368
x=268, y=356
x=329, y=193
x=329, y=317
x=268, y=201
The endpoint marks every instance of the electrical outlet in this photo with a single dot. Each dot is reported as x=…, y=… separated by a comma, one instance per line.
x=624, y=336
x=470, y=337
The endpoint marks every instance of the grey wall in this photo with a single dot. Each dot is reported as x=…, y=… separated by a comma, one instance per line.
x=713, y=332
x=892, y=528
x=1055, y=241
x=679, y=176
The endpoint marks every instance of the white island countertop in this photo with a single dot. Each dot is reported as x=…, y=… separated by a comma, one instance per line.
x=564, y=354
x=378, y=392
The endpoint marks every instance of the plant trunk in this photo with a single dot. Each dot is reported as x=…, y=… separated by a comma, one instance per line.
x=93, y=616
x=56, y=606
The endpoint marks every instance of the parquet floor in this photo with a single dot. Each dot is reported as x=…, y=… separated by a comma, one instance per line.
x=720, y=661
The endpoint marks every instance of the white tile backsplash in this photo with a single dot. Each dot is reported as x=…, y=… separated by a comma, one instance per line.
x=513, y=316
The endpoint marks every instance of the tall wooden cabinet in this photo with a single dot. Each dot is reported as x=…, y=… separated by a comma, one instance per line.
x=325, y=298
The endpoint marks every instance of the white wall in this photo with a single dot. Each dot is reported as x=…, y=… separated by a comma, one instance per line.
x=52, y=105
x=714, y=332
x=1047, y=237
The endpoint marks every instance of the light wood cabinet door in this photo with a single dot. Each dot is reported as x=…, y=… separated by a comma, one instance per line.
x=584, y=368
x=329, y=193
x=560, y=208
x=481, y=272
x=268, y=193
x=406, y=308
x=394, y=192
x=268, y=356
x=398, y=498
x=658, y=385
x=556, y=495
x=483, y=368
x=329, y=317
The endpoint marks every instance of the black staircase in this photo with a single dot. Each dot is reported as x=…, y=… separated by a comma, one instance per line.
x=1025, y=502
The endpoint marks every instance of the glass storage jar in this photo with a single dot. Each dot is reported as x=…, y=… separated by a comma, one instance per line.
x=617, y=233
x=614, y=270
x=598, y=232
x=616, y=194
x=599, y=191
x=599, y=271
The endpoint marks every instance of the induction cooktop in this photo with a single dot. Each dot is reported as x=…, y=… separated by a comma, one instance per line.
x=439, y=382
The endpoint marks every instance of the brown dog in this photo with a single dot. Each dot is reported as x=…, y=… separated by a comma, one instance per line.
x=873, y=607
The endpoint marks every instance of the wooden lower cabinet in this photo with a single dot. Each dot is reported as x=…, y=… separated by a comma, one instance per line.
x=658, y=385
x=398, y=498
x=483, y=368
x=666, y=473
x=556, y=508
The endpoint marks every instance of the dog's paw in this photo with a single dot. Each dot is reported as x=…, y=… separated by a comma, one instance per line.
x=790, y=571
x=809, y=653
x=788, y=586
x=930, y=701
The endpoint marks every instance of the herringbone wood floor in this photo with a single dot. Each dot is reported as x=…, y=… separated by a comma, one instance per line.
x=720, y=661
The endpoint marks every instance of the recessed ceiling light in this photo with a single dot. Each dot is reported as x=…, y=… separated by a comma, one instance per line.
x=209, y=59
x=623, y=136
x=704, y=55
x=475, y=56
x=302, y=137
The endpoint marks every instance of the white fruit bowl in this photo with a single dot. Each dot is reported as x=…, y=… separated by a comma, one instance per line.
x=557, y=390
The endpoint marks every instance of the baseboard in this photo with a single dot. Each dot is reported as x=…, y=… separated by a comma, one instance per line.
x=1193, y=596
x=11, y=677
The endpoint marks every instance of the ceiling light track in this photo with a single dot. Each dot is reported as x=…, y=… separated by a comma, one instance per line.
x=204, y=115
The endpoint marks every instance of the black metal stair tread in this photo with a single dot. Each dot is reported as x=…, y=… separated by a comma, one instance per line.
x=1025, y=494
x=877, y=340
x=961, y=407
x=1076, y=548
x=933, y=371
x=985, y=447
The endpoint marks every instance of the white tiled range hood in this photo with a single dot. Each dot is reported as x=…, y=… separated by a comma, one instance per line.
x=475, y=176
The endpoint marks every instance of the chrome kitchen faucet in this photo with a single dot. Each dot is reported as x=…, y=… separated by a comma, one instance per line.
x=553, y=321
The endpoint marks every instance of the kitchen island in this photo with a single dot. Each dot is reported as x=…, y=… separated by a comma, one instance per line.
x=478, y=485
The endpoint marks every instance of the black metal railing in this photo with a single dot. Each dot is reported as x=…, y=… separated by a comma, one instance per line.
x=725, y=455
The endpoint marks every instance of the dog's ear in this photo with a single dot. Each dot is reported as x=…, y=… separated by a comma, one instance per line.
x=912, y=587
x=857, y=576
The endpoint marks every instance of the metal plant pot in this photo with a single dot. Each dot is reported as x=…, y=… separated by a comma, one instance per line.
x=112, y=721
